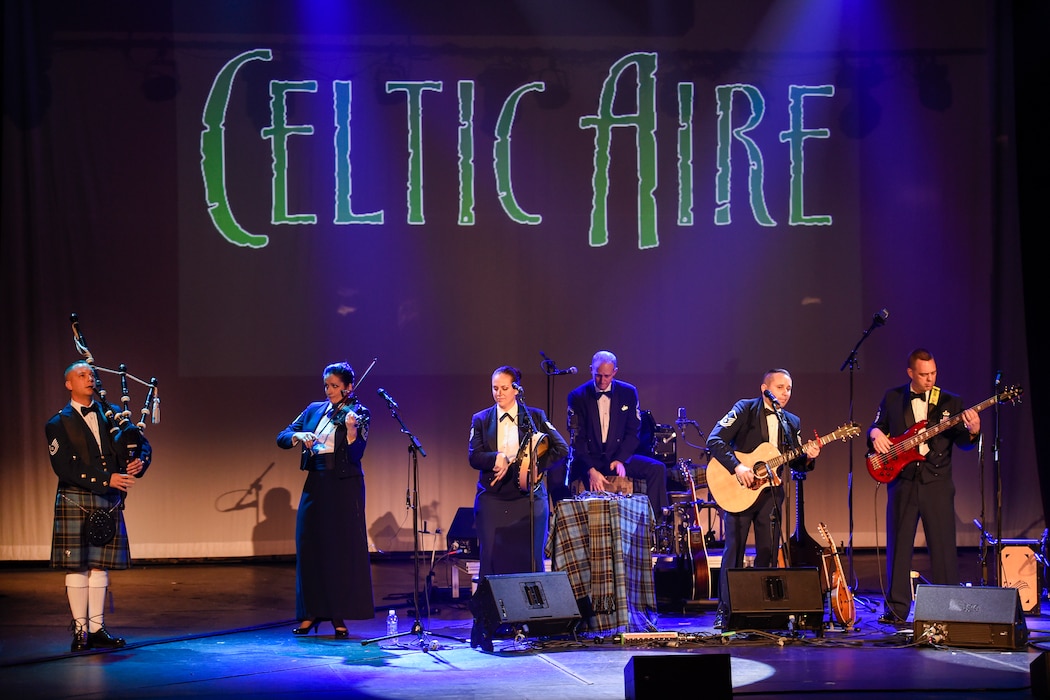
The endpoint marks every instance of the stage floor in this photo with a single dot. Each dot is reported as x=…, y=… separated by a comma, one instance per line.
x=220, y=629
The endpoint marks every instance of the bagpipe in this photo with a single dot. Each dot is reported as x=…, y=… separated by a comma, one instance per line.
x=128, y=436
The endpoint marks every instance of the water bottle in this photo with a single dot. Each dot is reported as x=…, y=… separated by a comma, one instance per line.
x=391, y=622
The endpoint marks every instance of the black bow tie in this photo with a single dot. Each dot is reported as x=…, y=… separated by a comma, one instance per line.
x=507, y=415
x=920, y=396
x=84, y=410
x=768, y=412
x=604, y=393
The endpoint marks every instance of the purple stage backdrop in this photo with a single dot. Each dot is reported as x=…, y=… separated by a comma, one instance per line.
x=233, y=195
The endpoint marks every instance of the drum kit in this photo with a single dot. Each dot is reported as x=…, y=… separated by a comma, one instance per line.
x=685, y=507
x=686, y=486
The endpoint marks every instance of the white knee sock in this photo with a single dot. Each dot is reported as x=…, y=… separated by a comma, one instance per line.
x=98, y=584
x=77, y=592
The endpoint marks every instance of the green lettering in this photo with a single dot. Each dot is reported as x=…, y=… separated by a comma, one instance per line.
x=643, y=120
x=344, y=184
x=414, y=89
x=796, y=136
x=726, y=133
x=213, y=152
x=466, y=153
x=501, y=157
x=279, y=132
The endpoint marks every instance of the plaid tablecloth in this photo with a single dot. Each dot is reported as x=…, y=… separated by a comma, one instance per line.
x=605, y=546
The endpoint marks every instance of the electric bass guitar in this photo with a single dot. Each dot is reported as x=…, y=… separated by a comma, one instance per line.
x=842, y=604
x=905, y=447
x=733, y=497
x=697, y=546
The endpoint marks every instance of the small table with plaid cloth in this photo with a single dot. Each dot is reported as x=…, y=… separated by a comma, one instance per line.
x=605, y=547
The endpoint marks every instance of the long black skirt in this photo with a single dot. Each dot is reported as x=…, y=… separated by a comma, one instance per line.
x=333, y=575
x=509, y=541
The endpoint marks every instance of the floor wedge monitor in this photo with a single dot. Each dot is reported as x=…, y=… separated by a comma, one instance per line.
x=969, y=616
x=534, y=605
x=775, y=599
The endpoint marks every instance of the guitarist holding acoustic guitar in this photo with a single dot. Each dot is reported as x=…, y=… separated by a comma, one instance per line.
x=923, y=488
x=750, y=425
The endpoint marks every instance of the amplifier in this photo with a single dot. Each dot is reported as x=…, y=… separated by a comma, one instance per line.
x=462, y=537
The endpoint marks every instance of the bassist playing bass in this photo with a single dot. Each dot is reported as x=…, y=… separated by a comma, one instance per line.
x=923, y=490
x=748, y=424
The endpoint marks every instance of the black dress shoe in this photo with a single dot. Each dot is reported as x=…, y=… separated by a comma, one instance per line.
x=80, y=639
x=478, y=638
x=720, y=621
x=888, y=618
x=104, y=640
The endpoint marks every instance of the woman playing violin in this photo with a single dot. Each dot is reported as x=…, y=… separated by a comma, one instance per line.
x=333, y=578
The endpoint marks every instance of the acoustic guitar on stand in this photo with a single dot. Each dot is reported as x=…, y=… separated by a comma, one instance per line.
x=697, y=545
x=905, y=447
x=842, y=604
x=733, y=497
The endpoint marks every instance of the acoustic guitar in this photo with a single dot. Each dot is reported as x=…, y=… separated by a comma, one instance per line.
x=697, y=546
x=884, y=468
x=842, y=604
x=733, y=497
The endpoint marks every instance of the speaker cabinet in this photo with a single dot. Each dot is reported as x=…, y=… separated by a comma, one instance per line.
x=775, y=599
x=462, y=535
x=963, y=616
x=1040, y=670
x=660, y=676
x=1021, y=569
x=535, y=605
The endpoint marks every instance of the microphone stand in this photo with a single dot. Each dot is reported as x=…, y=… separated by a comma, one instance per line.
x=998, y=487
x=561, y=489
x=414, y=449
x=526, y=448
x=776, y=520
x=877, y=320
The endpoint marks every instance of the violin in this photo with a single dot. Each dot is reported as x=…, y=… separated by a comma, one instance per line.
x=351, y=403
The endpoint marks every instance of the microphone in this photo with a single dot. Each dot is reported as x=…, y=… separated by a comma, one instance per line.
x=681, y=415
x=772, y=399
x=998, y=376
x=78, y=339
x=386, y=397
x=879, y=318
x=570, y=370
x=518, y=388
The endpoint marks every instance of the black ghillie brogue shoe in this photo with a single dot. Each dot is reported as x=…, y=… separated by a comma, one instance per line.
x=102, y=639
x=80, y=638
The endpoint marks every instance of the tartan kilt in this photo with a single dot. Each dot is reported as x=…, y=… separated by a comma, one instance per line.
x=69, y=549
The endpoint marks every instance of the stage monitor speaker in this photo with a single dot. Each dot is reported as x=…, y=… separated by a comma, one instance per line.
x=775, y=599
x=963, y=616
x=660, y=676
x=536, y=605
x=462, y=538
x=1040, y=671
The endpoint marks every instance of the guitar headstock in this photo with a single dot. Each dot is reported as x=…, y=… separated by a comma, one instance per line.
x=1011, y=394
x=823, y=530
x=687, y=474
x=847, y=432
